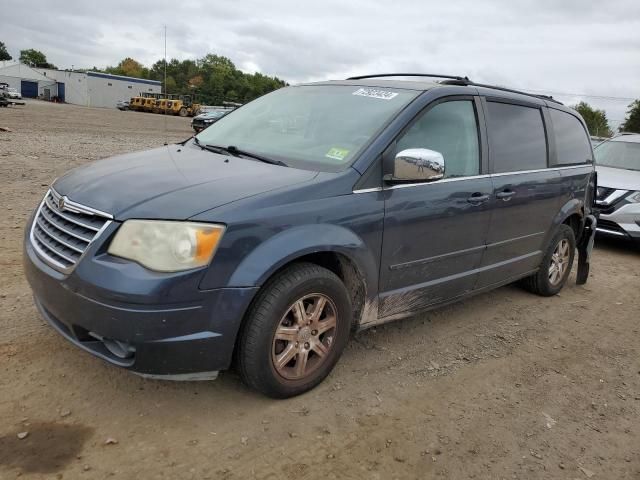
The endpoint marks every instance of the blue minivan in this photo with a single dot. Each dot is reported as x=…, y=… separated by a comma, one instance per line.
x=309, y=213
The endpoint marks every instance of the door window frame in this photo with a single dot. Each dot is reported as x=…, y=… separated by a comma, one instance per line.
x=483, y=150
x=546, y=123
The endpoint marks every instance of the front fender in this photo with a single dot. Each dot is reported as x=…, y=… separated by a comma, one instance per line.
x=296, y=242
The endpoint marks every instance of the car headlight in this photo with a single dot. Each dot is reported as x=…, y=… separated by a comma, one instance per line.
x=634, y=197
x=167, y=246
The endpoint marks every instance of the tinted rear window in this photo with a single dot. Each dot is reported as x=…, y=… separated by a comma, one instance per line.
x=516, y=138
x=572, y=143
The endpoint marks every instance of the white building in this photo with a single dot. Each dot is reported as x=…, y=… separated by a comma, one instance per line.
x=91, y=89
x=28, y=81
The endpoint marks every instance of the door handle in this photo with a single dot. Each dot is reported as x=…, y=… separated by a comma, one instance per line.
x=477, y=198
x=505, y=195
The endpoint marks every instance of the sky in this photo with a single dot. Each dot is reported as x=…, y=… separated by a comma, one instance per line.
x=573, y=49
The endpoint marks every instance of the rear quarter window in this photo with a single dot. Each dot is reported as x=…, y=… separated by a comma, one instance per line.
x=517, y=138
x=572, y=142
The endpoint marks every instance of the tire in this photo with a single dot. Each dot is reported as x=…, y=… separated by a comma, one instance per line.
x=271, y=365
x=544, y=283
x=183, y=112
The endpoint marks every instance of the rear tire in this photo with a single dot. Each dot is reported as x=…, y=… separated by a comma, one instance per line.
x=295, y=331
x=555, y=266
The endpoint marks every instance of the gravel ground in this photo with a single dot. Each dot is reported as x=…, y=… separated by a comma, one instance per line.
x=504, y=385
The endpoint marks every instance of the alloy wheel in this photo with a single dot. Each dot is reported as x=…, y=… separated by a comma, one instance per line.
x=559, y=262
x=304, y=336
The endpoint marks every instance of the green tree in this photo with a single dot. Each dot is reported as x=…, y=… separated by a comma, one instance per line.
x=632, y=121
x=596, y=120
x=35, y=58
x=4, y=54
x=213, y=78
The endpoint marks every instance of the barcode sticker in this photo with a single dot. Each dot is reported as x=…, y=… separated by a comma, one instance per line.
x=375, y=93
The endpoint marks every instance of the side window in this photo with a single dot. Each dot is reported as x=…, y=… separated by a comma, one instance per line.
x=516, y=138
x=572, y=143
x=451, y=129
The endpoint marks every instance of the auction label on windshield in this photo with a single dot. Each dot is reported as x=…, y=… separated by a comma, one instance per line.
x=337, y=153
x=375, y=93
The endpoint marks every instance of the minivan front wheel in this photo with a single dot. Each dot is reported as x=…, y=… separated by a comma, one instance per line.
x=295, y=331
x=556, y=264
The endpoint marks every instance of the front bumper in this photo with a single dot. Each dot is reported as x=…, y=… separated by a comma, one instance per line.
x=152, y=324
x=621, y=222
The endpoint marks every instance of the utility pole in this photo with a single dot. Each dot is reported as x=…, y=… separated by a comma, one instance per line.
x=166, y=97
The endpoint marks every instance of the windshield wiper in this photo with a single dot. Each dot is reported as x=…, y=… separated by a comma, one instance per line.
x=210, y=148
x=233, y=150
x=236, y=152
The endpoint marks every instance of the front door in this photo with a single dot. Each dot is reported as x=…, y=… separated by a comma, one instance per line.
x=435, y=233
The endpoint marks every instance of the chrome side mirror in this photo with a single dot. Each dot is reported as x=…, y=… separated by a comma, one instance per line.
x=417, y=165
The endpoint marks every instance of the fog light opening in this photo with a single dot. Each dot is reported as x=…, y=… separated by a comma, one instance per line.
x=116, y=347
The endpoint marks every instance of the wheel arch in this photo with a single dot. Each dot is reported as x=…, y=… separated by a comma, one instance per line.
x=571, y=214
x=333, y=247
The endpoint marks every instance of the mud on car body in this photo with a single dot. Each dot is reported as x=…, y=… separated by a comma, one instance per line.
x=315, y=210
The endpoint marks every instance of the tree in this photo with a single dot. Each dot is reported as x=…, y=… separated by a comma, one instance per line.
x=596, y=120
x=213, y=78
x=35, y=58
x=4, y=54
x=129, y=68
x=632, y=121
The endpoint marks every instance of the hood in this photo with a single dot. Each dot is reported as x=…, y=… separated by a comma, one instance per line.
x=618, y=178
x=173, y=182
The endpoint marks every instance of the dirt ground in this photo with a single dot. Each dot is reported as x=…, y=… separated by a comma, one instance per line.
x=505, y=385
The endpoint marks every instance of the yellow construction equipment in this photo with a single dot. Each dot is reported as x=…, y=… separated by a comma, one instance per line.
x=171, y=104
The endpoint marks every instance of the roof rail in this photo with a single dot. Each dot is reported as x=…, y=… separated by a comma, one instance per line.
x=464, y=80
x=457, y=80
x=510, y=90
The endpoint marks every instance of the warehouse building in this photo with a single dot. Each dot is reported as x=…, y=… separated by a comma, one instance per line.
x=28, y=81
x=90, y=89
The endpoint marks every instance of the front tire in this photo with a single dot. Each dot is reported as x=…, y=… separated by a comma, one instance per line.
x=295, y=331
x=556, y=264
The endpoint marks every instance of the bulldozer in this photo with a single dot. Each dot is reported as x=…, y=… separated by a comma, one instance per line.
x=145, y=102
x=135, y=103
x=171, y=104
x=182, y=105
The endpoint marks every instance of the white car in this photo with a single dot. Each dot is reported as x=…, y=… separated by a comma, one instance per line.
x=122, y=105
x=618, y=195
x=13, y=93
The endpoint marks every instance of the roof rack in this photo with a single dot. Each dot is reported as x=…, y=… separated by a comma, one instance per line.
x=510, y=90
x=430, y=75
x=457, y=80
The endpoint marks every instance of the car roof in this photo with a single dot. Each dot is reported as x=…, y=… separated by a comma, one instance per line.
x=417, y=85
x=423, y=84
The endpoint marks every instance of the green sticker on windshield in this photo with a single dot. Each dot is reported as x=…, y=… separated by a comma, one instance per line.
x=337, y=153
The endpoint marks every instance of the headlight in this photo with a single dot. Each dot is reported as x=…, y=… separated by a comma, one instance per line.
x=167, y=246
x=634, y=197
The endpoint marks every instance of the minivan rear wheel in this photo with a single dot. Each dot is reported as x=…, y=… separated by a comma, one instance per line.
x=556, y=264
x=295, y=331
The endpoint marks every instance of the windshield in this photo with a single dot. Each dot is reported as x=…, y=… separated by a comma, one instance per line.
x=319, y=127
x=618, y=154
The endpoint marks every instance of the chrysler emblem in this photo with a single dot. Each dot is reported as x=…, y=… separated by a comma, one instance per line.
x=61, y=202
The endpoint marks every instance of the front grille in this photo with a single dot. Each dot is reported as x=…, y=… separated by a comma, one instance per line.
x=604, y=192
x=609, y=225
x=62, y=230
